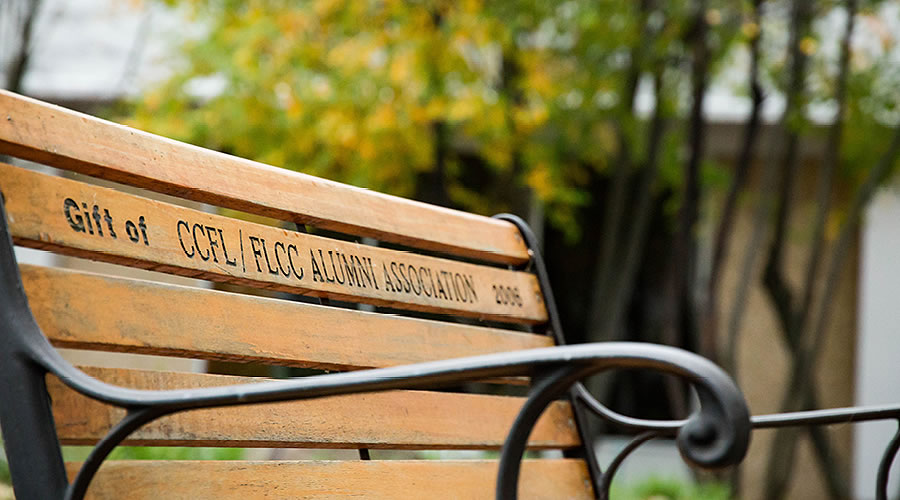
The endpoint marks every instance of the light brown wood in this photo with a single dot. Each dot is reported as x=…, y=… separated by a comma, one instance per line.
x=55, y=136
x=103, y=224
x=381, y=479
x=90, y=311
x=395, y=419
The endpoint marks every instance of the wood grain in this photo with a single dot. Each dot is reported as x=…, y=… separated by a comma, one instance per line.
x=103, y=224
x=394, y=479
x=58, y=137
x=394, y=419
x=89, y=311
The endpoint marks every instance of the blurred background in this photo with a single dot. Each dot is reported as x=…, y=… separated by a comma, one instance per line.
x=716, y=175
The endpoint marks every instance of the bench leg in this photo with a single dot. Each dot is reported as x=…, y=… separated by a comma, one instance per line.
x=29, y=434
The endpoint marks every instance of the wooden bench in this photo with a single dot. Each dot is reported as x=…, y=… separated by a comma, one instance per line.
x=477, y=279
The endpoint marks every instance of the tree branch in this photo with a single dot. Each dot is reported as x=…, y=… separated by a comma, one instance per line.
x=801, y=394
x=691, y=202
x=729, y=209
x=637, y=235
x=605, y=269
x=829, y=166
x=19, y=64
x=679, y=310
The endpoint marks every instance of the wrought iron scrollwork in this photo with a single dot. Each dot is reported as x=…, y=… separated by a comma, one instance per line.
x=716, y=435
x=698, y=437
x=620, y=457
x=884, y=468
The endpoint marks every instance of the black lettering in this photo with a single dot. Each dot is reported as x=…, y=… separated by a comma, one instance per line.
x=505, y=295
x=196, y=243
x=422, y=272
x=334, y=269
x=232, y=262
x=388, y=284
x=431, y=279
x=285, y=272
x=414, y=281
x=87, y=219
x=407, y=286
x=143, y=226
x=317, y=274
x=457, y=285
x=257, y=253
x=329, y=279
x=132, y=231
x=397, y=279
x=109, y=224
x=291, y=260
x=266, y=253
x=241, y=241
x=364, y=271
x=77, y=223
x=372, y=268
x=440, y=288
x=350, y=270
x=448, y=281
x=96, y=215
x=213, y=243
x=181, y=239
x=470, y=287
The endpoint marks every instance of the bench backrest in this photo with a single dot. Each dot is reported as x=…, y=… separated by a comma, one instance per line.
x=467, y=274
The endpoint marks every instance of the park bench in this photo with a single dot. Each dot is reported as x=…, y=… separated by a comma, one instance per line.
x=429, y=261
x=451, y=298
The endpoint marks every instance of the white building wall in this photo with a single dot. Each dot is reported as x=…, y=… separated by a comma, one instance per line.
x=878, y=348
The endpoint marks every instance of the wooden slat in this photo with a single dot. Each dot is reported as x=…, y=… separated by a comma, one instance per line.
x=395, y=419
x=62, y=138
x=104, y=224
x=89, y=311
x=393, y=479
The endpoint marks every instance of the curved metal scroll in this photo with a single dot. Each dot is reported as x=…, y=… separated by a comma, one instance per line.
x=632, y=445
x=884, y=468
x=716, y=435
x=582, y=399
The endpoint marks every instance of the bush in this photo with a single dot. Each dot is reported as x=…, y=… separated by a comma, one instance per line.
x=79, y=453
x=670, y=489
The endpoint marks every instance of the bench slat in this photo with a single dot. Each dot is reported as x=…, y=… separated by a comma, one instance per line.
x=393, y=479
x=395, y=419
x=79, y=219
x=89, y=311
x=58, y=137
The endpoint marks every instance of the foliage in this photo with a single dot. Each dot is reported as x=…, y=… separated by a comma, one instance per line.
x=77, y=453
x=659, y=488
x=539, y=92
x=5, y=478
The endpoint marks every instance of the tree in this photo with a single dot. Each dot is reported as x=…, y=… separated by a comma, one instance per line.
x=16, y=31
x=592, y=111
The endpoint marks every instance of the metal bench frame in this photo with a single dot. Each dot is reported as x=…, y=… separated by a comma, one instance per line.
x=716, y=435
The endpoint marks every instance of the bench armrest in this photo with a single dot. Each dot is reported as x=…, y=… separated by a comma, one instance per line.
x=716, y=435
